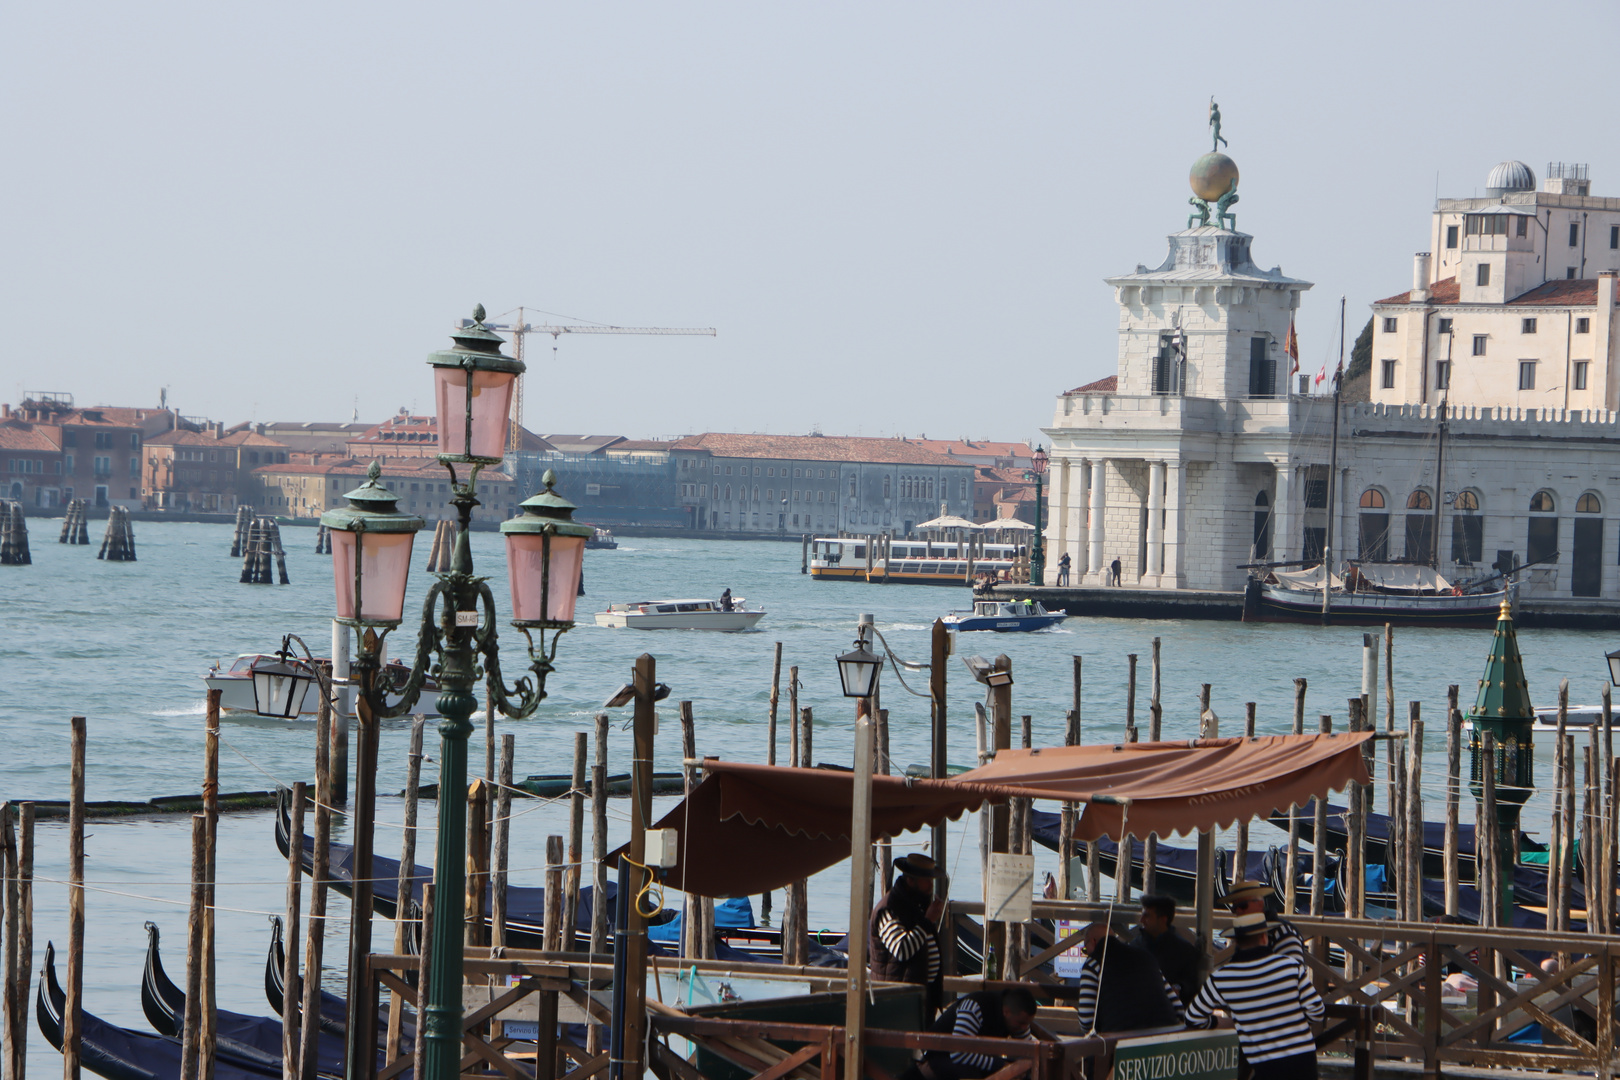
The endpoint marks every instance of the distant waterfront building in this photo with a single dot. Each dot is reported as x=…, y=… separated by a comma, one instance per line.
x=814, y=483
x=100, y=450
x=311, y=437
x=307, y=490
x=1516, y=306
x=203, y=471
x=1199, y=456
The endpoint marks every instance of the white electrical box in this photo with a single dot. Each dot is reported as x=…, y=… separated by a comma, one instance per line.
x=661, y=847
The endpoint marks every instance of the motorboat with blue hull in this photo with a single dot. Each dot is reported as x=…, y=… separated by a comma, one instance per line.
x=1004, y=616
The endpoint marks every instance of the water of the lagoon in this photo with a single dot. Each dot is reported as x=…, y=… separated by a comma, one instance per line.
x=125, y=644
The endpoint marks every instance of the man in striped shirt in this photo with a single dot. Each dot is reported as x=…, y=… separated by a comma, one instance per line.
x=1121, y=987
x=988, y=1014
x=903, y=936
x=1271, y=1001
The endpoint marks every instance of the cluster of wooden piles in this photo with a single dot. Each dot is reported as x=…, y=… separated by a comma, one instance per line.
x=259, y=548
x=244, y=526
x=13, y=535
x=118, y=542
x=75, y=524
x=443, y=547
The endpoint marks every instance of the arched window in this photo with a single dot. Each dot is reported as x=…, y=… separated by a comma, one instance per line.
x=1586, y=556
x=1541, y=540
x=1374, y=522
x=1419, y=500
x=1262, y=526
x=1467, y=529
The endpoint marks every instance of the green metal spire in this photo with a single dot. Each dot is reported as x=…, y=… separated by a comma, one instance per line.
x=1503, y=692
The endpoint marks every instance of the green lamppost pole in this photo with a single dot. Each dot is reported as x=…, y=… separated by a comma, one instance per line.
x=371, y=555
x=1503, y=710
x=1037, y=552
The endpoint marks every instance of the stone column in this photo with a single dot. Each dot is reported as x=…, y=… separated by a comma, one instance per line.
x=1155, y=522
x=1282, y=514
x=1099, y=485
x=1059, y=508
x=1174, y=575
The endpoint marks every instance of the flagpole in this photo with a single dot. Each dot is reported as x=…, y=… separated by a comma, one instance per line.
x=1333, y=477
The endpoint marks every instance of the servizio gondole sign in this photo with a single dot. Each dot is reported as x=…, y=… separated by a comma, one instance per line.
x=1190, y=1055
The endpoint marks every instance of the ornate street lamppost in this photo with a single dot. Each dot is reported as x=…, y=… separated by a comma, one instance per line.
x=1037, y=552
x=1614, y=666
x=858, y=672
x=1503, y=711
x=371, y=554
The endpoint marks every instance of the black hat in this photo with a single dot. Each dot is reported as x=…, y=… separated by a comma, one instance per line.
x=918, y=865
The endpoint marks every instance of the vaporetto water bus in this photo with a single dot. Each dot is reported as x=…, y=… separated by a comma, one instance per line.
x=911, y=562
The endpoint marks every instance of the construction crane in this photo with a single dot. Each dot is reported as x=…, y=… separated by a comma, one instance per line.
x=521, y=329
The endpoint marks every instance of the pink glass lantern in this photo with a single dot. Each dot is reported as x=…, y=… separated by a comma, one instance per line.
x=371, y=554
x=473, y=383
x=545, y=556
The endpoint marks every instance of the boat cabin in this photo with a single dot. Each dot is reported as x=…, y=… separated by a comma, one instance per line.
x=666, y=607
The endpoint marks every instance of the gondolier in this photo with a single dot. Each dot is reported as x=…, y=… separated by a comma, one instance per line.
x=1249, y=898
x=903, y=936
x=1121, y=987
x=1271, y=1001
x=988, y=1014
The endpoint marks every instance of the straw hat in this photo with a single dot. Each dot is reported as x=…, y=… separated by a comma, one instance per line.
x=1252, y=924
x=1247, y=890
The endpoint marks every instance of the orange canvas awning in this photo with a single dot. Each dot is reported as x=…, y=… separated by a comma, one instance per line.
x=1179, y=787
x=751, y=828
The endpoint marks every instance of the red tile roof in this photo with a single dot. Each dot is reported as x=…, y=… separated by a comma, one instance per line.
x=1564, y=292
x=1109, y=385
x=21, y=435
x=974, y=448
x=847, y=448
x=1443, y=291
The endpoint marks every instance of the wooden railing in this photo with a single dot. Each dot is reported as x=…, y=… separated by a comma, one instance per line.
x=1393, y=972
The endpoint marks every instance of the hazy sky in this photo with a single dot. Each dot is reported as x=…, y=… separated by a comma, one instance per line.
x=898, y=215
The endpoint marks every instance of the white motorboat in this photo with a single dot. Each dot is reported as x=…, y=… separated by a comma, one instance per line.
x=680, y=615
x=235, y=683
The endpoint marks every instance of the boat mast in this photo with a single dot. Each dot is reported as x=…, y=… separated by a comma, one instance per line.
x=1333, y=476
x=1439, y=485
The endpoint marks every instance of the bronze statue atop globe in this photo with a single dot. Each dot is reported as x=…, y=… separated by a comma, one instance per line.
x=1212, y=176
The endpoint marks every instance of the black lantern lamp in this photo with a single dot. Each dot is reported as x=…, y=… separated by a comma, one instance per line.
x=1614, y=666
x=858, y=670
x=281, y=685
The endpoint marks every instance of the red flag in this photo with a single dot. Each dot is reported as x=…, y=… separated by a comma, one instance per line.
x=1291, y=348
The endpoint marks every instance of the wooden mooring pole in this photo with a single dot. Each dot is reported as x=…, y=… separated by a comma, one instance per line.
x=289, y=962
x=73, y=1008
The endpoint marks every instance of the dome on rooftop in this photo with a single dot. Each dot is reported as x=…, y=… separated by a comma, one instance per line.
x=1510, y=176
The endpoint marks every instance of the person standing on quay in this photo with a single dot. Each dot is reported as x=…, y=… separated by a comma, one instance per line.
x=903, y=935
x=1063, y=569
x=1271, y=1001
x=1121, y=987
x=1114, y=571
x=1178, y=958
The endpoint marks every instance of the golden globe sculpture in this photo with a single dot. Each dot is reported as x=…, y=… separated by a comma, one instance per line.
x=1212, y=176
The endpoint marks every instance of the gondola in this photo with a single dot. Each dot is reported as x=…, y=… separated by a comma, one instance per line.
x=1176, y=875
x=1434, y=838
x=525, y=904
x=164, y=1004
x=125, y=1054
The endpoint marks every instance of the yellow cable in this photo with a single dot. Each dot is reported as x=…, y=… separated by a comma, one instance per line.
x=651, y=884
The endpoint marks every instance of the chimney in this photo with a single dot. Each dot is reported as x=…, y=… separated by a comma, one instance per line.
x=5, y=412
x=1420, y=278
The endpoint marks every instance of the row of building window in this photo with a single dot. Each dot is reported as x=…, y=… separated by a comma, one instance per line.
x=770, y=470
x=1527, y=374
x=1583, y=325
x=103, y=439
x=1497, y=225
x=1542, y=502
